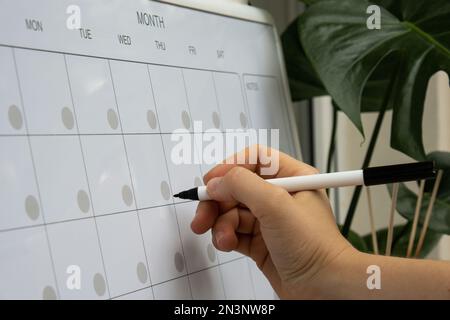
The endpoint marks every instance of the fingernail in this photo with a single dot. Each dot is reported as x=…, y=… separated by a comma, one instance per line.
x=219, y=238
x=213, y=185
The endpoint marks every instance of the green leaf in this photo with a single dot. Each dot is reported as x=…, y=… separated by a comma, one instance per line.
x=376, y=86
x=305, y=83
x=356, y=241
x=346, y=54
x=440, y=218
x=401, y=237
x=303, y=80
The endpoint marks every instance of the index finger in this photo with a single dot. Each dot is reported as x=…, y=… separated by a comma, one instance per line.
x=250, y=158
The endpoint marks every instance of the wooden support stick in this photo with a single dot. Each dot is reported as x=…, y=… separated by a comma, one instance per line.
x=372, y=222
x=390, y=234
x=428, y=213
x=412, y=236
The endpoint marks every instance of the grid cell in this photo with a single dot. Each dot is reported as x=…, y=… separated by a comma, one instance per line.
x=231, y=101
x=162, y=243
x=11, y=114
x=108, y=174
x=78, y=261
x=19, y=194
x=93, y=95
x=134, y=97
x=202, y=98
x=123, y=252
x=62, y=177
x=148, y=170
x=200, y=253
x=170, y=98
x=46, y=92
x=26, y=270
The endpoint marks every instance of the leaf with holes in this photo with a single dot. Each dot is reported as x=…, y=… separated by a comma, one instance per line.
x=414, y=38
x=305, y=83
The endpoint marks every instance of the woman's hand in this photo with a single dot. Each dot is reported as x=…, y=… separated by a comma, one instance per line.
x=292, y=238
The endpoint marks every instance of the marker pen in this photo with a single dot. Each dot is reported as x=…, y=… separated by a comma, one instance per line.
x=367, y=177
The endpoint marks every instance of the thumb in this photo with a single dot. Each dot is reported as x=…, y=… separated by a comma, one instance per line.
x=265, y=201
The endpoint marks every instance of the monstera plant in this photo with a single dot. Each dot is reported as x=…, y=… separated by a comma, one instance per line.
x=331, y=49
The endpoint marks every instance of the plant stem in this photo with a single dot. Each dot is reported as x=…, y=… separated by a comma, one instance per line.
x=332, y=148
x=373, y=141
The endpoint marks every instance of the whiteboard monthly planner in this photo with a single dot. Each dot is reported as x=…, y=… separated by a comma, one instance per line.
x=86, y=116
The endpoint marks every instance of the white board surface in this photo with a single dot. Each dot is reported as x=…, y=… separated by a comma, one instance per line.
x=86, y=115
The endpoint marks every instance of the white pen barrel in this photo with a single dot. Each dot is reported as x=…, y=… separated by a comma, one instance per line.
x=320, y=181
x=202, y=194
x=311, y=182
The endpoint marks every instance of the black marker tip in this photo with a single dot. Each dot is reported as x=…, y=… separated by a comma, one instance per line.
x=191, y=194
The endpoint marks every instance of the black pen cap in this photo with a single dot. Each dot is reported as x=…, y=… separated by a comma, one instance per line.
x=399, y=173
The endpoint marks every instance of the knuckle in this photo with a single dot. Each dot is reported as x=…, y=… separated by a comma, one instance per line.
x=234, y=175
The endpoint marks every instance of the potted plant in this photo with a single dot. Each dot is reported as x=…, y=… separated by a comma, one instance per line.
x=374, y=56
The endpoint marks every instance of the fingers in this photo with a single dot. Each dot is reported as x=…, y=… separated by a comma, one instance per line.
x=244, y=186
x=223, y=232
x=226, y=228
x=240, y=219
x=205, y=216
x=231, y=228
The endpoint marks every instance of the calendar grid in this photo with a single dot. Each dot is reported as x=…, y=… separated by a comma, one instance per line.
x=86, y=157
x=168, y=173
x=131, y=178
x=136, y=210
x=183, y=276
x=87, y=177
x=90, y=217
x=195, y=149
x=203, y=173
x=35, y=176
